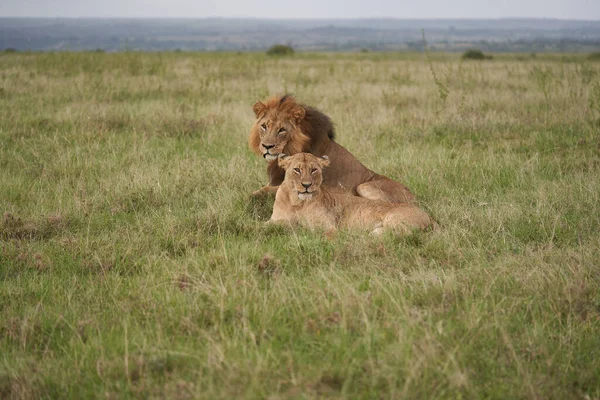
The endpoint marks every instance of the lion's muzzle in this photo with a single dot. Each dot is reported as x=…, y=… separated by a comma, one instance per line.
x=267, y=155
x=270, y=157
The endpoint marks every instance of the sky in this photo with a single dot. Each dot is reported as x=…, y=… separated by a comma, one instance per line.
x=564, y=9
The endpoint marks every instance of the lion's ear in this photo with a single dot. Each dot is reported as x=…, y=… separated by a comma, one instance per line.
x=259, y=109
x=298, y=113
x=324, y=161
x=283, y=160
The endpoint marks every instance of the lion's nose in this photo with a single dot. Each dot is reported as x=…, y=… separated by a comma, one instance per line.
x=306, y=185
x=268, y=146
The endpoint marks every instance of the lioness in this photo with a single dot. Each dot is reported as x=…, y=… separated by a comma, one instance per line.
x=301, y=199
x=284, y=126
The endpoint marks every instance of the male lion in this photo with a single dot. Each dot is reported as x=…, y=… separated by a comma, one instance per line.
x=301, y=199
x=284, y=126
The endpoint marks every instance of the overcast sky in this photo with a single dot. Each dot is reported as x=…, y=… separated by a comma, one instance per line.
x=568, y=9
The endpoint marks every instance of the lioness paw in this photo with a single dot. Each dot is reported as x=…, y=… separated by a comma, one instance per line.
x=378, y=231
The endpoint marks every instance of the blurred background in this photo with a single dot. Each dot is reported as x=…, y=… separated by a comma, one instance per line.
x=236, y=25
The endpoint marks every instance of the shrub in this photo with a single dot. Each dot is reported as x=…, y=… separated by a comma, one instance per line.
x=594, y=56
x=474, y=54
x=280, y=50
x=10, y=50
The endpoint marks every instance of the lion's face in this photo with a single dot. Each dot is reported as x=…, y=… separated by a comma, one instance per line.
x=274, y=134
x=276, y=129
x=304, y=172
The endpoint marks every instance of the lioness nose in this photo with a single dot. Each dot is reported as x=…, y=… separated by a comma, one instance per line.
x=306, y=185
x=268, y=146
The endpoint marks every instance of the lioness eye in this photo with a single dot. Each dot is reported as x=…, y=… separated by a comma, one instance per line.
x=264, y=127
x=297, y=170
x=281, y=130
x=312, y=171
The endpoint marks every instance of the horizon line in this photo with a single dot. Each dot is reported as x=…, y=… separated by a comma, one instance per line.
x=310, y=18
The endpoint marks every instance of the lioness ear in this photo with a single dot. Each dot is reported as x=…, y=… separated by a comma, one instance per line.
x=259, y=109
x=324, y=161
x=298, y=113
x=283, y=161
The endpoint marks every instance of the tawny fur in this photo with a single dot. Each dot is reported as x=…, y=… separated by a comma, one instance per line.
x=301, y=199
x=306, y=129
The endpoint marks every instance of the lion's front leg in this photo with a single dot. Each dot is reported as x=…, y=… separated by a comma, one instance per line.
x=385, y=189
x=276, y=175
x=265, y=191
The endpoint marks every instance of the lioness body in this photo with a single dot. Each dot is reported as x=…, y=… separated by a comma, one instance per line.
x=301, y=199
x=286, y=127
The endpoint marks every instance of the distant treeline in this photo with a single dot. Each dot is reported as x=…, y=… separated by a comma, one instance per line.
x=214, y=34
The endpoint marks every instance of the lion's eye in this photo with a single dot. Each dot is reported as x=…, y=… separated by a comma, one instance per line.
x=312, y=171
x=264, y=127
x=281, y=130
x=297, y=170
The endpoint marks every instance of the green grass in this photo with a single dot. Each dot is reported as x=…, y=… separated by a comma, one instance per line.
x=133, y=264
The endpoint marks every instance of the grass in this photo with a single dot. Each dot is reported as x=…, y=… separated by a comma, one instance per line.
x=132, y=263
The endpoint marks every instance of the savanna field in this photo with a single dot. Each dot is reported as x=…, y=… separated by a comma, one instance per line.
x=134, y=264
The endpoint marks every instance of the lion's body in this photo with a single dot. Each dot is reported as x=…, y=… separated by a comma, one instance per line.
x=308, y=130
x=332, y=209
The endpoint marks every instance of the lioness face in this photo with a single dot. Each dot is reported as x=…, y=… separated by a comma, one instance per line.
x=277, y=125
x=304, y=172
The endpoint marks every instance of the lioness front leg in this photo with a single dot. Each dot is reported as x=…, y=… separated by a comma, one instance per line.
x=385, y=189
